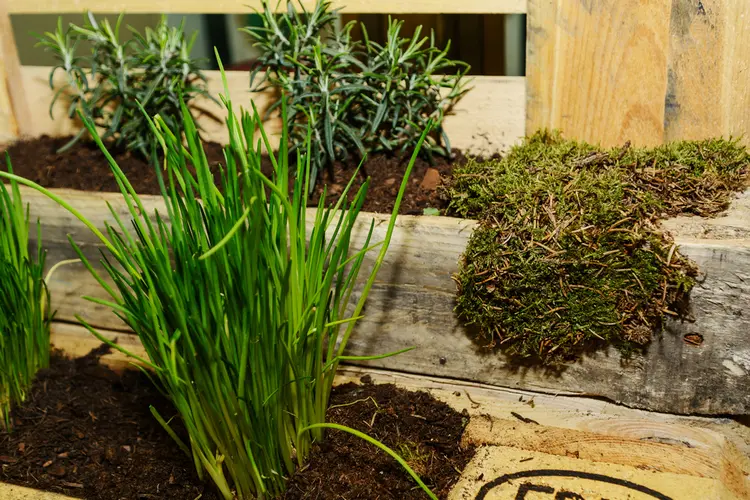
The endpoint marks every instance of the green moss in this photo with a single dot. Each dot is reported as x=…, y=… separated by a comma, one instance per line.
x=568, y=255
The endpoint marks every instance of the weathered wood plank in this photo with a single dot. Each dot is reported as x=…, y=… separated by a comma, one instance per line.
x=413, y=300
x=490, y=118
x=246, y=6
x=598, y=69
x=13, y=492
x=607, y=72
x=709, y=60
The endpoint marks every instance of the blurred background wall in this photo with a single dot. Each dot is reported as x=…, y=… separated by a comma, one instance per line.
x=492, y=44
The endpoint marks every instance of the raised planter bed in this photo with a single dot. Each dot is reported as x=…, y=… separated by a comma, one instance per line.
x=412, y=303
x=551, y=441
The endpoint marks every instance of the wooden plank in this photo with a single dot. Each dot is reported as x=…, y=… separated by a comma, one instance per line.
x=15, y=119
x=412, y=304
x=709, y=61
x=75, y=341
x=598, y=69
x=8, y=128
x=489, y=119
x=246, y=6
x=733, y=224
x=499, y=472
x=673, y=376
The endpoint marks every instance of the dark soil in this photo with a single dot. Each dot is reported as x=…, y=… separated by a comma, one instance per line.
x=88, y=432
x=84, y=167
x=425, y=432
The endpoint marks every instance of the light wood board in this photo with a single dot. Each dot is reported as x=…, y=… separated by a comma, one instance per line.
x=14, y=113
x=500, y=473
x=708, y=70
x=610, y=71
x=13, y=492
x=598, y=69
x=489, y=119
x=246, y=6
x=413, y=299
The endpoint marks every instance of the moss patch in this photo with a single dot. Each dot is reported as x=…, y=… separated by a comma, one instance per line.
x=569, y=255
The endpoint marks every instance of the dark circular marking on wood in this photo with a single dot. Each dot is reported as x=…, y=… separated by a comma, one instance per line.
x=568, y=473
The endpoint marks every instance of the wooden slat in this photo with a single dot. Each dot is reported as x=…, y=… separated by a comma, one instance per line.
x=15, y=119
x=490, y=118
x=245, y=6
x=8, y=128
x=413, y=300
x=708, y=91
x=649, y=72
x=598, y=69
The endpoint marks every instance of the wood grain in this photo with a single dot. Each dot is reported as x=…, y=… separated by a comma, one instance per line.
x=550, y=474
x=13, y=492
x=246, y=6
x=413, y=299
x=709, y=70
x=489, y=119
x=598, y=69
x=608, y=71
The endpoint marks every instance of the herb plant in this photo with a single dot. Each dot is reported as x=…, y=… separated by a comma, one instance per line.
x=357, y=97
x=244, y=317
x=105, y=86
x=24, y=324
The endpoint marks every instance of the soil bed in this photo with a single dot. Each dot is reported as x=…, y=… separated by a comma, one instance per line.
x=84, y=167
x=87, y=432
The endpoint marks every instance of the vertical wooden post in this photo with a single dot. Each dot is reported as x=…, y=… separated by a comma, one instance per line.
x=708, y=91
x=597, y=69
x=609, y=71
x=15, y=118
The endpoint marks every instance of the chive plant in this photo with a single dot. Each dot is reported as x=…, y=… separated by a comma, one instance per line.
x=24, y=325
x=242, y=303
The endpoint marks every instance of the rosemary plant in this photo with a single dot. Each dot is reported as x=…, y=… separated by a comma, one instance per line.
x=152, y=69
x=24, y=325
x=357, y=97
x=244, y=317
